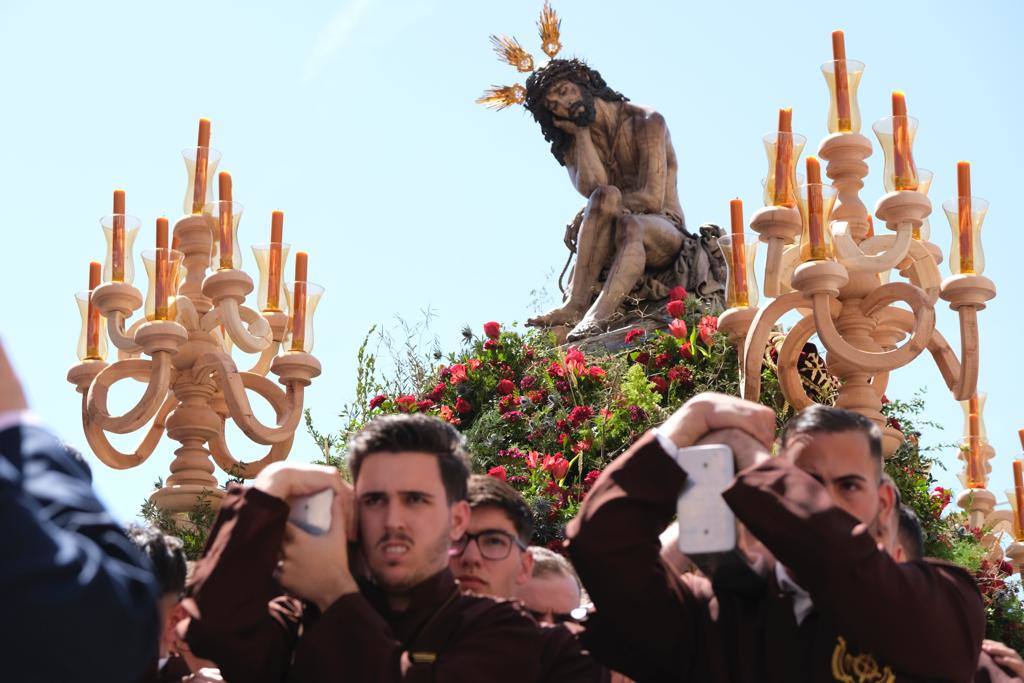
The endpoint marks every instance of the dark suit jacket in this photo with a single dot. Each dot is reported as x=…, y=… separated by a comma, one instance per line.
x=913, y=621
x=75, y=590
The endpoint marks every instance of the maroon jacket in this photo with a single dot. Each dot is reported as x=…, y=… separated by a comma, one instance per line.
x=917, y=621
x=243, y=622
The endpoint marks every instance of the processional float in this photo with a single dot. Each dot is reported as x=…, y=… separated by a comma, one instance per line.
x=825, y=262
x=180, y=347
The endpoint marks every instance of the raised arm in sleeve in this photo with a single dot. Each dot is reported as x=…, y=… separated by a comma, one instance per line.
x=614, y=546
x=239, y=617
x=873, y=599
x=69, y=578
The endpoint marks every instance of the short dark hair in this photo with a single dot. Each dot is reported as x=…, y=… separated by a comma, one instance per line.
x=419, y=433
x=821, y=419
x=911, y=535
x=166, y=553
x=485, y=490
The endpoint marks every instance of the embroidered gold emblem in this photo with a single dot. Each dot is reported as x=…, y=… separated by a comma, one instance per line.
x=862, y=668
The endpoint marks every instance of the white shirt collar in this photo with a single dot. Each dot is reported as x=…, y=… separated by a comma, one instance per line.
x=802, y=604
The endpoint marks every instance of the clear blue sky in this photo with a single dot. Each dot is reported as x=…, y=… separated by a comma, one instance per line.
x=357, y=119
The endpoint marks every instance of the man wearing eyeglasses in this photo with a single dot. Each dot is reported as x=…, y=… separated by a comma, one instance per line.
x=492, y=558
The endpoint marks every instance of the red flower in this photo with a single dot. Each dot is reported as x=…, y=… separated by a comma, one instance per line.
x=596, y=372
x=632, y=335
x=575, y=361
x=638, y=414
x=678, y=329
x=643, y=358
x=462, y=406
x=405, y=403
x=681, y=374
x=707, y=327
x=498, y=473
x=894, y=423
x=555, y=370
x=491, y=345
x=582, y=445
x=474, y=363
x=556, y=465
x=537, y=397
x=590, y=479
x=437, y=393
x=677, y=293
x=659, y=383
x=458, y=373
x=662, y=360
x=685, y=351
x=492, y=330
x=579, y=415
x=562, y=386
x=676, y=308
x=527, y=382
x=513, y=416
x=505, y=387
x=377, y=400
x=507, y=403
x=424, y=405
x=449, y=416
x=532, y=459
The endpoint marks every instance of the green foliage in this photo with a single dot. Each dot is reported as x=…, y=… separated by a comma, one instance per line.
x=192, y=528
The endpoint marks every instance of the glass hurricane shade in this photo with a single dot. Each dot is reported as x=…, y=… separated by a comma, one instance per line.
x=131, y=226
x=271, y=267
x=816, y=201
x=854, y=71
x=782, y=191
x=896, y=135
x=312, y=297
x=92, y=340
x=966, y=256
x=205, y=160
x=225, y=215
x=741, y=283
x=155, y=309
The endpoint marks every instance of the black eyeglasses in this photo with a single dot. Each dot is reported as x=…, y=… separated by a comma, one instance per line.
x=578, y=615
x=493, y=544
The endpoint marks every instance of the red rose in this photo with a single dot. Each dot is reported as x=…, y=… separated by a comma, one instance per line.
x=676, y=308
x=491, y=345
x=405, y=403
x=437, y=392
x=424, y=405
x=555, y=370
x=457, y=373
x=678, y=329
x=677, y=293
x=596, y=372
x=492, y=330
x=633, y=334
x=498, y=473
x=505, y=387
x=590, y=479
x=462, y=406
x=707, y=327
x=579, y=415
x=448, y=415
x=377, y=400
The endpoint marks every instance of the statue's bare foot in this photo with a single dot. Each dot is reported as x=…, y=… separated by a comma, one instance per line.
x=586, y=328
x=563, y=315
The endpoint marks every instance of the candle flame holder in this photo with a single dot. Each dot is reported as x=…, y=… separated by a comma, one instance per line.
x=193, y=386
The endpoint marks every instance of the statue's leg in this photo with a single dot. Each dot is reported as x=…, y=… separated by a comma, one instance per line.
x=641, y=240
x=594, y=247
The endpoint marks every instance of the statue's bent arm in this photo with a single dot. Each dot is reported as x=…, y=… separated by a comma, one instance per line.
x=587, y=171
x=653, y=164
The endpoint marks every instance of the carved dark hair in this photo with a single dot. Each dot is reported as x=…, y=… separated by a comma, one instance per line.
x=541, y=80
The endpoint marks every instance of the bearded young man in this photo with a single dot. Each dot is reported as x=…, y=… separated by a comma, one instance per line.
x=825, y=603
x=401, y=618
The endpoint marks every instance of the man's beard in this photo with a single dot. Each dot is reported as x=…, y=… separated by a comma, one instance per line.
x=583, y=112
x=435, y=560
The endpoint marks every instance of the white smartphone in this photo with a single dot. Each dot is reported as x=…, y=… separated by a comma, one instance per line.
x=707, y=526
x=312, y=513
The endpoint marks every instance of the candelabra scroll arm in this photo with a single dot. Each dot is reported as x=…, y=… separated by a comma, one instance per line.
x=158, y=374
x=186, y=313
x=119, y=337
x=109, y=455
x=249, y=330
x=885, y=258
x=789, y=376
x=262, y=366
x=757, y=340
x=232, y=384
x=281, y=404
x=872, y=361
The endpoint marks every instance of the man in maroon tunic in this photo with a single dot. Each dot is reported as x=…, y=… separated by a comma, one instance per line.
x=405, y=621
x=830, y=605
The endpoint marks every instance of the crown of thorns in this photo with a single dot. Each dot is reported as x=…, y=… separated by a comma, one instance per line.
x=511, y=52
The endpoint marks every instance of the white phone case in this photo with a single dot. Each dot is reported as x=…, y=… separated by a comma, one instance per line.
x=706, y=523
x=312, y=513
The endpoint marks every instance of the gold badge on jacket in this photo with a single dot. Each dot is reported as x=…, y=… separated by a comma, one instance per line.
x=862, y=668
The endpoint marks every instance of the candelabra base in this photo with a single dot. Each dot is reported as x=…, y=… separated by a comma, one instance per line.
x=978, y=503
x=184, y=497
